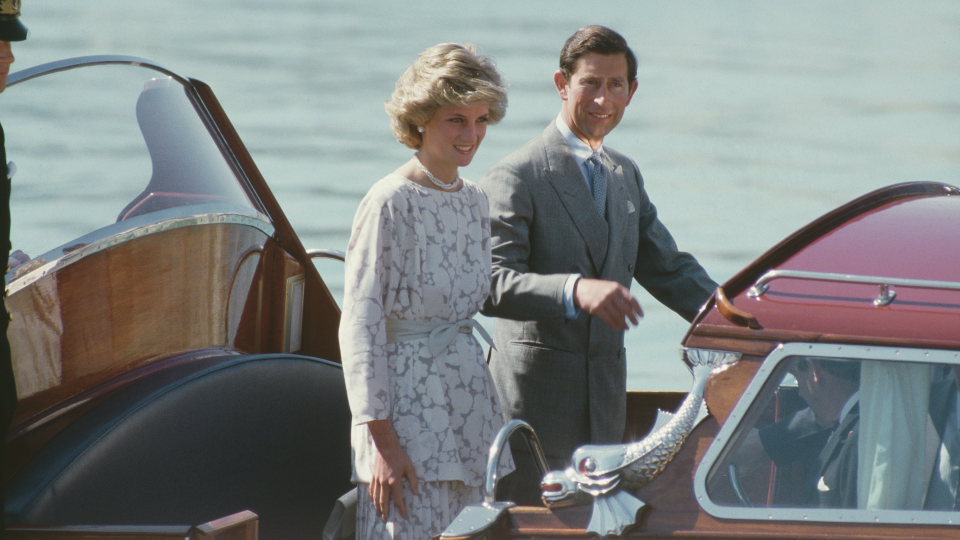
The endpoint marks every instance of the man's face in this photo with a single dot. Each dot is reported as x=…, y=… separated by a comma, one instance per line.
x=6, y=58
x=595, y=96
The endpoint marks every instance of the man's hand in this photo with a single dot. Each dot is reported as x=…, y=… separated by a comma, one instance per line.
x=609, y=301
x=390, y=467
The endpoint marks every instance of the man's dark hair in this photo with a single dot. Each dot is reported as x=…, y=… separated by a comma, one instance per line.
x=595, y=39
x=845, y=369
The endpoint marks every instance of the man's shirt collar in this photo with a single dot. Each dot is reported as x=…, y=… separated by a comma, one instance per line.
x=851, y=401
x=581, y=150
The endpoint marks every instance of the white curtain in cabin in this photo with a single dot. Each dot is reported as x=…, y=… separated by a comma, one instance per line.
x=893, y=466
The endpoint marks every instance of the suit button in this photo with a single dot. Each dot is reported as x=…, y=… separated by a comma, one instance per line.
x=630, y=268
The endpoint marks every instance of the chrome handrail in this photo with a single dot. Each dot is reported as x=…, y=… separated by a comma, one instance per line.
x=474, y=520
x=886, y=295
x=500, y=442
x=334, y=254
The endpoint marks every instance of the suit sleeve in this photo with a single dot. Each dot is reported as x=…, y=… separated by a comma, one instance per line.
x=516, y=292
x=673, y=277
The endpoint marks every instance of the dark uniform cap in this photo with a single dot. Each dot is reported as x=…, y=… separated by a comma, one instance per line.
x=11, y=29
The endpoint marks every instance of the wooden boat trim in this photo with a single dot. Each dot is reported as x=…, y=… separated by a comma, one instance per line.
x=766, y=339
x=104, y=238
x=321, y=313
x=830, y=221
x=240, y=526
x=734, y=314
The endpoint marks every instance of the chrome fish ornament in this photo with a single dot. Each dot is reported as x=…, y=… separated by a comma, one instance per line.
x=606, y=474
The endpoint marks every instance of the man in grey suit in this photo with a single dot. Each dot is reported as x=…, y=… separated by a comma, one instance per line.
x=571, y=225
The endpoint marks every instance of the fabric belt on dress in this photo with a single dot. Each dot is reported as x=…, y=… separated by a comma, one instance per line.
x=439, y=335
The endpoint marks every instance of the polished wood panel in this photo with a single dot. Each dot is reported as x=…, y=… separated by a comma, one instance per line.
x=823, y=225
x=726, y=385
x=240, y=526
x=321, y=314
x=153, y=297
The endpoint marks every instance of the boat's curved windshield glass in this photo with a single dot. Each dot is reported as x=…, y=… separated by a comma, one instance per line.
x=843, y=434
x=102, y=150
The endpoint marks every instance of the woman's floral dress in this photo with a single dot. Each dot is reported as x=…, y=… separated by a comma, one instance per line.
x=419, y=254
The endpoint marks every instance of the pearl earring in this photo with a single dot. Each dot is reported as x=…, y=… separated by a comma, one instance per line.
x=420, y=129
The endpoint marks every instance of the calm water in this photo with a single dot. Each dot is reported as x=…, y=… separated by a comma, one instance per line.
x=752, y=118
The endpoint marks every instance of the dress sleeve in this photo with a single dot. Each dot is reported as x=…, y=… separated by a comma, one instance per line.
x=363, y=338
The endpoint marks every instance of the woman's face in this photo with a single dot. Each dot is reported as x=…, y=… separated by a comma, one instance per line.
x=452, y=136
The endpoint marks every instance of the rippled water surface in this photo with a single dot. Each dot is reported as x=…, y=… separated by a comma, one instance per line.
x=751, y=119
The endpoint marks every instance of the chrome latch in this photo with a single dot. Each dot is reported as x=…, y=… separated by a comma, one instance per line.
x=886, y=295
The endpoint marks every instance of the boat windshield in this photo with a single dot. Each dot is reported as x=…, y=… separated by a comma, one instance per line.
x=869, y=434
x=103, y=150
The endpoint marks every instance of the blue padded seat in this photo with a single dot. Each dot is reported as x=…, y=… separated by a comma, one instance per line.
x=267, y=433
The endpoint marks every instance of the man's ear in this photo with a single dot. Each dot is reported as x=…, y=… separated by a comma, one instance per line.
x=561, y=83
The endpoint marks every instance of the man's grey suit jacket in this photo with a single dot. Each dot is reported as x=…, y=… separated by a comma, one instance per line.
x=567, y=377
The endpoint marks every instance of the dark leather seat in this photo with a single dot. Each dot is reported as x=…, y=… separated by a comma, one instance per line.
x=267, y=433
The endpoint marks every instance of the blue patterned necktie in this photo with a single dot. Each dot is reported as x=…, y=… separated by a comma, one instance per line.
x=599, y=183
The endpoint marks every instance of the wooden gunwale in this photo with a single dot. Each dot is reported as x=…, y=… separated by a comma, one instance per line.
x=321, y=313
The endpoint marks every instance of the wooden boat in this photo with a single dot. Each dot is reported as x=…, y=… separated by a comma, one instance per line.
x=866, y=300
x=177, y=360
x=175, y=348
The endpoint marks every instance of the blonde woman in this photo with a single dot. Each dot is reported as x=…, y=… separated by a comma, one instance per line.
x=417, y=271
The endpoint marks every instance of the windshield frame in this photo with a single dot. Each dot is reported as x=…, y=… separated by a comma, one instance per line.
x=256, y=215
x=753, y=391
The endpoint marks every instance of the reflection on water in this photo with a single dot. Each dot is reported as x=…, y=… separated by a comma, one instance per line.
x=750, y=121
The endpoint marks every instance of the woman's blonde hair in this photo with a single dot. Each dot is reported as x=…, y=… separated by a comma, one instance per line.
x=445, y=75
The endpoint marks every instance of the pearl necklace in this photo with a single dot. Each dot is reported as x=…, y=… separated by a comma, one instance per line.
x=436, y=181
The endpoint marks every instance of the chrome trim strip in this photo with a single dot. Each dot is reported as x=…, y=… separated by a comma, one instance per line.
x=95, y=60
x=97, y=242
x=885, y=296
x=334, y=254
x=844, y=515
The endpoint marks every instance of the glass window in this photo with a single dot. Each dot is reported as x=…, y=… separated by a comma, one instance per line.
x=104, y=149
x=841, y=434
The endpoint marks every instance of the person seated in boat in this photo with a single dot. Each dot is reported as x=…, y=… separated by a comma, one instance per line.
x=820, y=439
x=11, y=29
x=417, y=271
x=943, y=492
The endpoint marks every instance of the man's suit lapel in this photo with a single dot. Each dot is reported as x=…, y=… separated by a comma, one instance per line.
x=839, y=436
x=564, y=175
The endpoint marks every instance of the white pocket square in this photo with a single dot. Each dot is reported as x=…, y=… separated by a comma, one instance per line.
x=822, y=486
x=630, y=208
